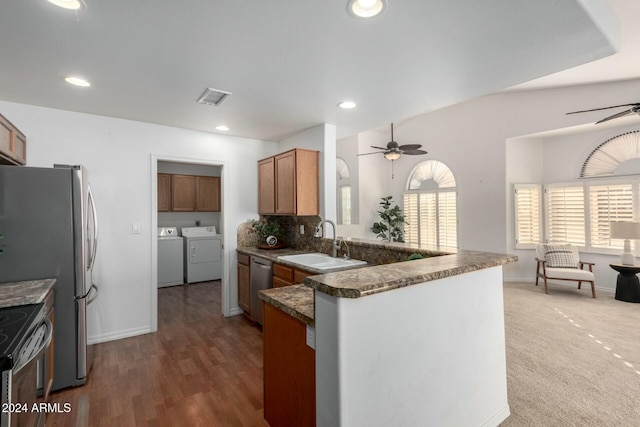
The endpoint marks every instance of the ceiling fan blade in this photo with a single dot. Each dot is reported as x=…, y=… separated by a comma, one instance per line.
x=378, y=148
x=414, y=152
x=366, y=154
x=409, y=147
x=615, y=116
x=603, y=108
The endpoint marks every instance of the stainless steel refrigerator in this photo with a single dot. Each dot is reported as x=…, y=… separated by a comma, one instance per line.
x=48, y=228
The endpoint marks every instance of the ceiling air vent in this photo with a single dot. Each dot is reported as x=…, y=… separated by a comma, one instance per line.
x=213, y=96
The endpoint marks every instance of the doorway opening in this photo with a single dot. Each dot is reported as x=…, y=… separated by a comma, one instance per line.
x=209, y=173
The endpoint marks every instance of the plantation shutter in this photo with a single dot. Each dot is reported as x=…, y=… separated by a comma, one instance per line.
x=428, y=219
x=565, y=214
x=609, y=203
x=527, y=208
x=447, y=219
x=410, y=202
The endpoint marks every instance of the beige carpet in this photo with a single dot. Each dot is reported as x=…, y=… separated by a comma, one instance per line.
x=571, y=360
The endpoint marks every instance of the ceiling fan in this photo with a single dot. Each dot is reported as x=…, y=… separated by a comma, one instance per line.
x=393, y=150
x=635, y=108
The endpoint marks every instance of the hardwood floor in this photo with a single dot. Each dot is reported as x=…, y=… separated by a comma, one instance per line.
x=199, y=369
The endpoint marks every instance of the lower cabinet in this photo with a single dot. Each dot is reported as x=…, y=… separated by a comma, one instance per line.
x=284, y=275
x=244, y=283
x=289, y=371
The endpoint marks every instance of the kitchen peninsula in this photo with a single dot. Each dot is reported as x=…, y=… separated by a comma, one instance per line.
x=408, y=343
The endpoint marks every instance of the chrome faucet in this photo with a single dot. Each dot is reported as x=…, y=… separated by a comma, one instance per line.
x=335, y=246
x=341, y=241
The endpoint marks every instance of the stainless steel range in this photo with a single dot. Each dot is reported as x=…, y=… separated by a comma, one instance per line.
x=25, y=335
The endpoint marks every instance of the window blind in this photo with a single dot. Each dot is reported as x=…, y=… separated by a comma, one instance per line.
x=566, y=214
x=431, y=218
x=527, y=207
x=608, y=203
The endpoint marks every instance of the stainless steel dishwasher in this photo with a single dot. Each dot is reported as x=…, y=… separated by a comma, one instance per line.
x=261, y=278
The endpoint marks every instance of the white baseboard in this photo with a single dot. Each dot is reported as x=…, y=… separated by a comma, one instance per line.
x=498, y=418
x=235, y=311
x=112, y=336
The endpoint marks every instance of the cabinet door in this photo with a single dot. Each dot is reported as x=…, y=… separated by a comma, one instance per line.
x=286, y=183
x=244, y=288
x=19, y=147
x=164, y=192
x=183, y=193
x=299, y=276
x=6, y=143
x=208, y=188
x=266, y=186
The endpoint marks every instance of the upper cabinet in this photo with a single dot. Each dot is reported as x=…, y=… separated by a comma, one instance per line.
x=13, y=144
x=188, y=193
x=164, y=192
x=288, y=183
x=208, y=193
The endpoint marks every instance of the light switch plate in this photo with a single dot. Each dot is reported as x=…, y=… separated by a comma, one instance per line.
x=136, y=228
x=311, y=337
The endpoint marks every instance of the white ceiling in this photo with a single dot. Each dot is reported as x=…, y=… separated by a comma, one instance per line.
x=289, y=62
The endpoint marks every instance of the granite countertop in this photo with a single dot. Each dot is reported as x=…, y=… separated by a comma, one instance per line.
x=24, y=293
x=295, y=300
x=382, y=278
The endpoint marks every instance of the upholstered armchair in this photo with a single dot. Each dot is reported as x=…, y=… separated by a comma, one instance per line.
x=562, y=262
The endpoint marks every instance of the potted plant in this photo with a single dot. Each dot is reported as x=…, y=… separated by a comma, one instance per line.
x=270, y=232
x=391, y=221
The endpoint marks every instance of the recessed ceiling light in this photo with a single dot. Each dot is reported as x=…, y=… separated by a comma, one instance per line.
x=68, y=4
x=347, y=105
x=366, y=8
x=77, y=81
x=222, y=128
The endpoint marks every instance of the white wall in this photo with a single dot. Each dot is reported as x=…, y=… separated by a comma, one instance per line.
x=470, y=138
x=415, y=356
x=118, y=155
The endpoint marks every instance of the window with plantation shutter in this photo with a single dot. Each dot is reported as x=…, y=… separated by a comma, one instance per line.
x=528, y=215
x=566, y=214
x=608, y=202
x=430, y=206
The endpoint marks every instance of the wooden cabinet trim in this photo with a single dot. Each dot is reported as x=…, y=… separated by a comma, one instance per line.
x=283, y=272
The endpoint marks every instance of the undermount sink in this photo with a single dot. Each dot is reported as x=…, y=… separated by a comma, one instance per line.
x=320, y=261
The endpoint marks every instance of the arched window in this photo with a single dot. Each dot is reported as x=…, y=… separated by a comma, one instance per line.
x=619, y=155
x=430, y=205
x=343, y=187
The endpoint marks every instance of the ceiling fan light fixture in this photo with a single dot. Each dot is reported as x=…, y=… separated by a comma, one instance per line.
x=69, y=4
x=392, y=155
x=366, y=8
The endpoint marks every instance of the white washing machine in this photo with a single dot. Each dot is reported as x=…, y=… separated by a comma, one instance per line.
x=202, y=254
x=170, y=257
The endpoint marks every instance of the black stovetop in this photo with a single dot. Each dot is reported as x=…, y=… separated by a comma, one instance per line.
x=15, y=325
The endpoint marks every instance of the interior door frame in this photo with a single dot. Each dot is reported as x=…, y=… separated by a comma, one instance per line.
x=153, y=209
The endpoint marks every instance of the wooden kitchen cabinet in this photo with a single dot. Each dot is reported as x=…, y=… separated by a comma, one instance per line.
x=289, y=371
x=244, y=283
x=267, y=186
x=284, y=275
x=208, y=194
x=183, y=193
x=288, y=183
x=164, y=192
x=189, y=193
x=13, y=144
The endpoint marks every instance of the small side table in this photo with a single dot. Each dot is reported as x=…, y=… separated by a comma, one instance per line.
x=628, y=285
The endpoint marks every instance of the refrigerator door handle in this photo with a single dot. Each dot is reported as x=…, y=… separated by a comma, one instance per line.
x=95, y=290
x=92, y=205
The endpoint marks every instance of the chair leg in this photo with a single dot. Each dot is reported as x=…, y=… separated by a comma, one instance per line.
x=546, y=289
x=593, y=289
x=537, y=277
x=579, y=284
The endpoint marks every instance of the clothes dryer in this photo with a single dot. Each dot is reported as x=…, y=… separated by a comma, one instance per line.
x=202, y=254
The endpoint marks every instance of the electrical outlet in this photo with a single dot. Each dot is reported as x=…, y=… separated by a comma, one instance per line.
x=301, y=228
x=311, y=337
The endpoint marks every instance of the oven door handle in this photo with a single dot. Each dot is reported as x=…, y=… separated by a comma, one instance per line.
x=45, y=342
